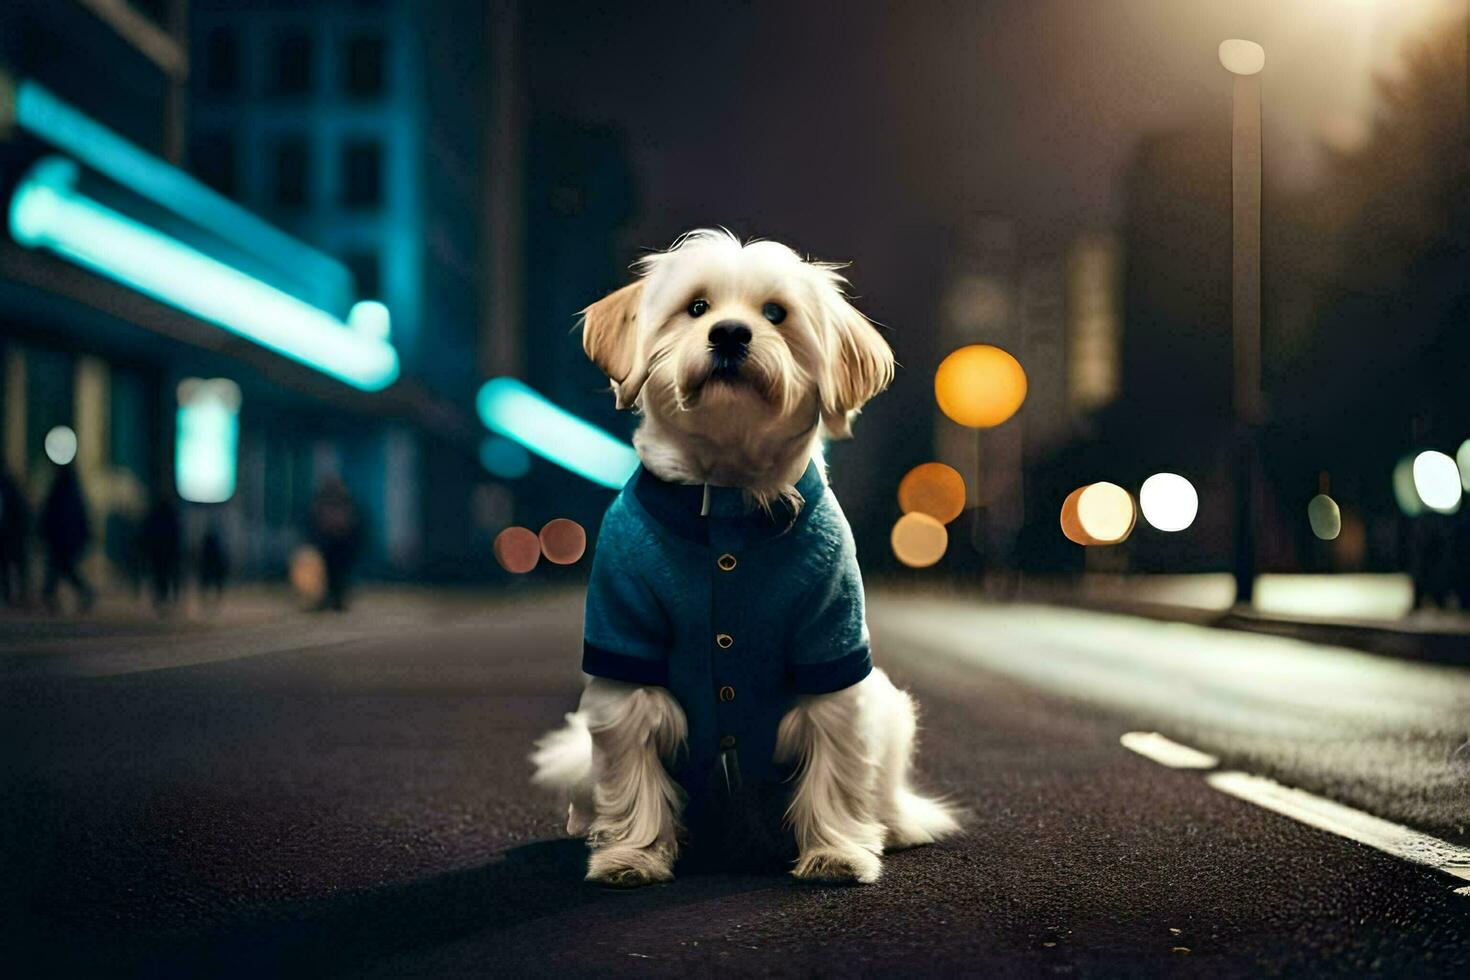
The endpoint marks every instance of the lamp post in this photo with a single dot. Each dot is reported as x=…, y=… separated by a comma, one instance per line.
x=1244, y=60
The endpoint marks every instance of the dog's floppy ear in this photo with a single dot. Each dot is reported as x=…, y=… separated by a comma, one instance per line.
x=859, y=365
x=610, y=338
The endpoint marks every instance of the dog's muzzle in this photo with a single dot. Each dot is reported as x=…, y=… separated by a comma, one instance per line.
x=729, y=346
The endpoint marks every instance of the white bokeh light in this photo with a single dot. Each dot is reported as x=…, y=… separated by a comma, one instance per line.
x=1325, y=517
x=1105, y=511
x=1169, y=502
x=61, y=445
x=1242, y=57
x=1437, y=481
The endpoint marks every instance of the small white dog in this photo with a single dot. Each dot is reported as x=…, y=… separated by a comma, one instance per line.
x=725, y=639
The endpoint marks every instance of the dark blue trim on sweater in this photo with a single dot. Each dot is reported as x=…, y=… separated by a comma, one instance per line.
x=622, y=667
x=832, y=675
x=678, y=506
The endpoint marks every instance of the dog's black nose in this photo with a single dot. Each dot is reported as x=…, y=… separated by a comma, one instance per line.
x=729, y=339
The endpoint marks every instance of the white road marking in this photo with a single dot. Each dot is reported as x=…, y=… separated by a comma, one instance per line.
x=1166, y=751
x=1310, y=809
x=1344, y=821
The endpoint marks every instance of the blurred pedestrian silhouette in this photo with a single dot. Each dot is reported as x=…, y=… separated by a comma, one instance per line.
x=161, y=547
x=214, y=565
x=65, y=530
x=15, y=530
x=336, y=532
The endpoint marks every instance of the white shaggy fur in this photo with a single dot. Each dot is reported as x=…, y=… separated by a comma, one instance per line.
x=803, y=377
x=609, y=761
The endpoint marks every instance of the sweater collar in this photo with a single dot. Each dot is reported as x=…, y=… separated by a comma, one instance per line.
x=681, y=507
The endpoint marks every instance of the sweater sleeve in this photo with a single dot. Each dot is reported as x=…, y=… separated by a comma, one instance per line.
x=830, y=649
x=626, y=633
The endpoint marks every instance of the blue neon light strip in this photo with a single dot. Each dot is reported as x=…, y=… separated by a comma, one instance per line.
x=48, y=212
x=69, y=129
x=517, y=412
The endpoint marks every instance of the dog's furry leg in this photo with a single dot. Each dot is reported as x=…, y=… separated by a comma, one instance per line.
x=911, y=819
x=634, y=829
x=830, y=738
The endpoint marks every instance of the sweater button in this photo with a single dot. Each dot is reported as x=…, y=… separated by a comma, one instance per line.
x=727, y=742
x=727, y=694
x=724, y=641
x=726, y=562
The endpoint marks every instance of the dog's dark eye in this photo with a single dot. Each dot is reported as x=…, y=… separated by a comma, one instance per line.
x=774, y=312
x=699, y=307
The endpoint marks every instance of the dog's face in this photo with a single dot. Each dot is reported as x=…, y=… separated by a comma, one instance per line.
x=717, y=334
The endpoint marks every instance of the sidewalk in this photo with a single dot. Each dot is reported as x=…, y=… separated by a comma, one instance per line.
x=1372, y=613
x=1441, y=637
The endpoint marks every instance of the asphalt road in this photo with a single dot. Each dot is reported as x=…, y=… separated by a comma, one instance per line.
x=347, y=796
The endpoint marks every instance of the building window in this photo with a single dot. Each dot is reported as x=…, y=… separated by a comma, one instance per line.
x=362, y=174
x=222, y=62
x=291, y=172
x=364, y=266
x=291, y=65
x=366, y=55
x=212, y=157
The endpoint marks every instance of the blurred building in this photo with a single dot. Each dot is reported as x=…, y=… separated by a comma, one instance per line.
x=579, y=198
x=1149, y=353
x=346, y=163
x=1022, y=298
x=1094, y=282
x=358, y=127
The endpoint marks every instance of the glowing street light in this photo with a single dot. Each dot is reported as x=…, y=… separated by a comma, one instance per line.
x=1242, y=57
x=933, y=489
x=563, y=541
x=1098, y=514
x=980, y=386
x=1169, y=502
x=518, y=549
x=1325, y=517
x=1437, y=481
x=918, y=540
x=61, y=445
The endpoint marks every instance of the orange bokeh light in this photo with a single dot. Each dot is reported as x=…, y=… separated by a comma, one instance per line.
x=933, y=489
x=1071, y=525
x=563, y=541
x=919, y=540
x=518, y=549
x=980, y=386
x=1098, y=514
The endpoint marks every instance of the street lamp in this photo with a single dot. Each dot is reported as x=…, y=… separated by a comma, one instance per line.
x=1244, y=60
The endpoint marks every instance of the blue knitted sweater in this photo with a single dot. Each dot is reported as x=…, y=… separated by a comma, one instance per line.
x=736, y=611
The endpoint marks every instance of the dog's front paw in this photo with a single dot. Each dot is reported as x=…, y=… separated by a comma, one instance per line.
x=832, y=864
x=629, y=867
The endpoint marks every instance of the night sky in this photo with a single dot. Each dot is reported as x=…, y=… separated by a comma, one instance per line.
x=849, y=129
x=871, y=132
